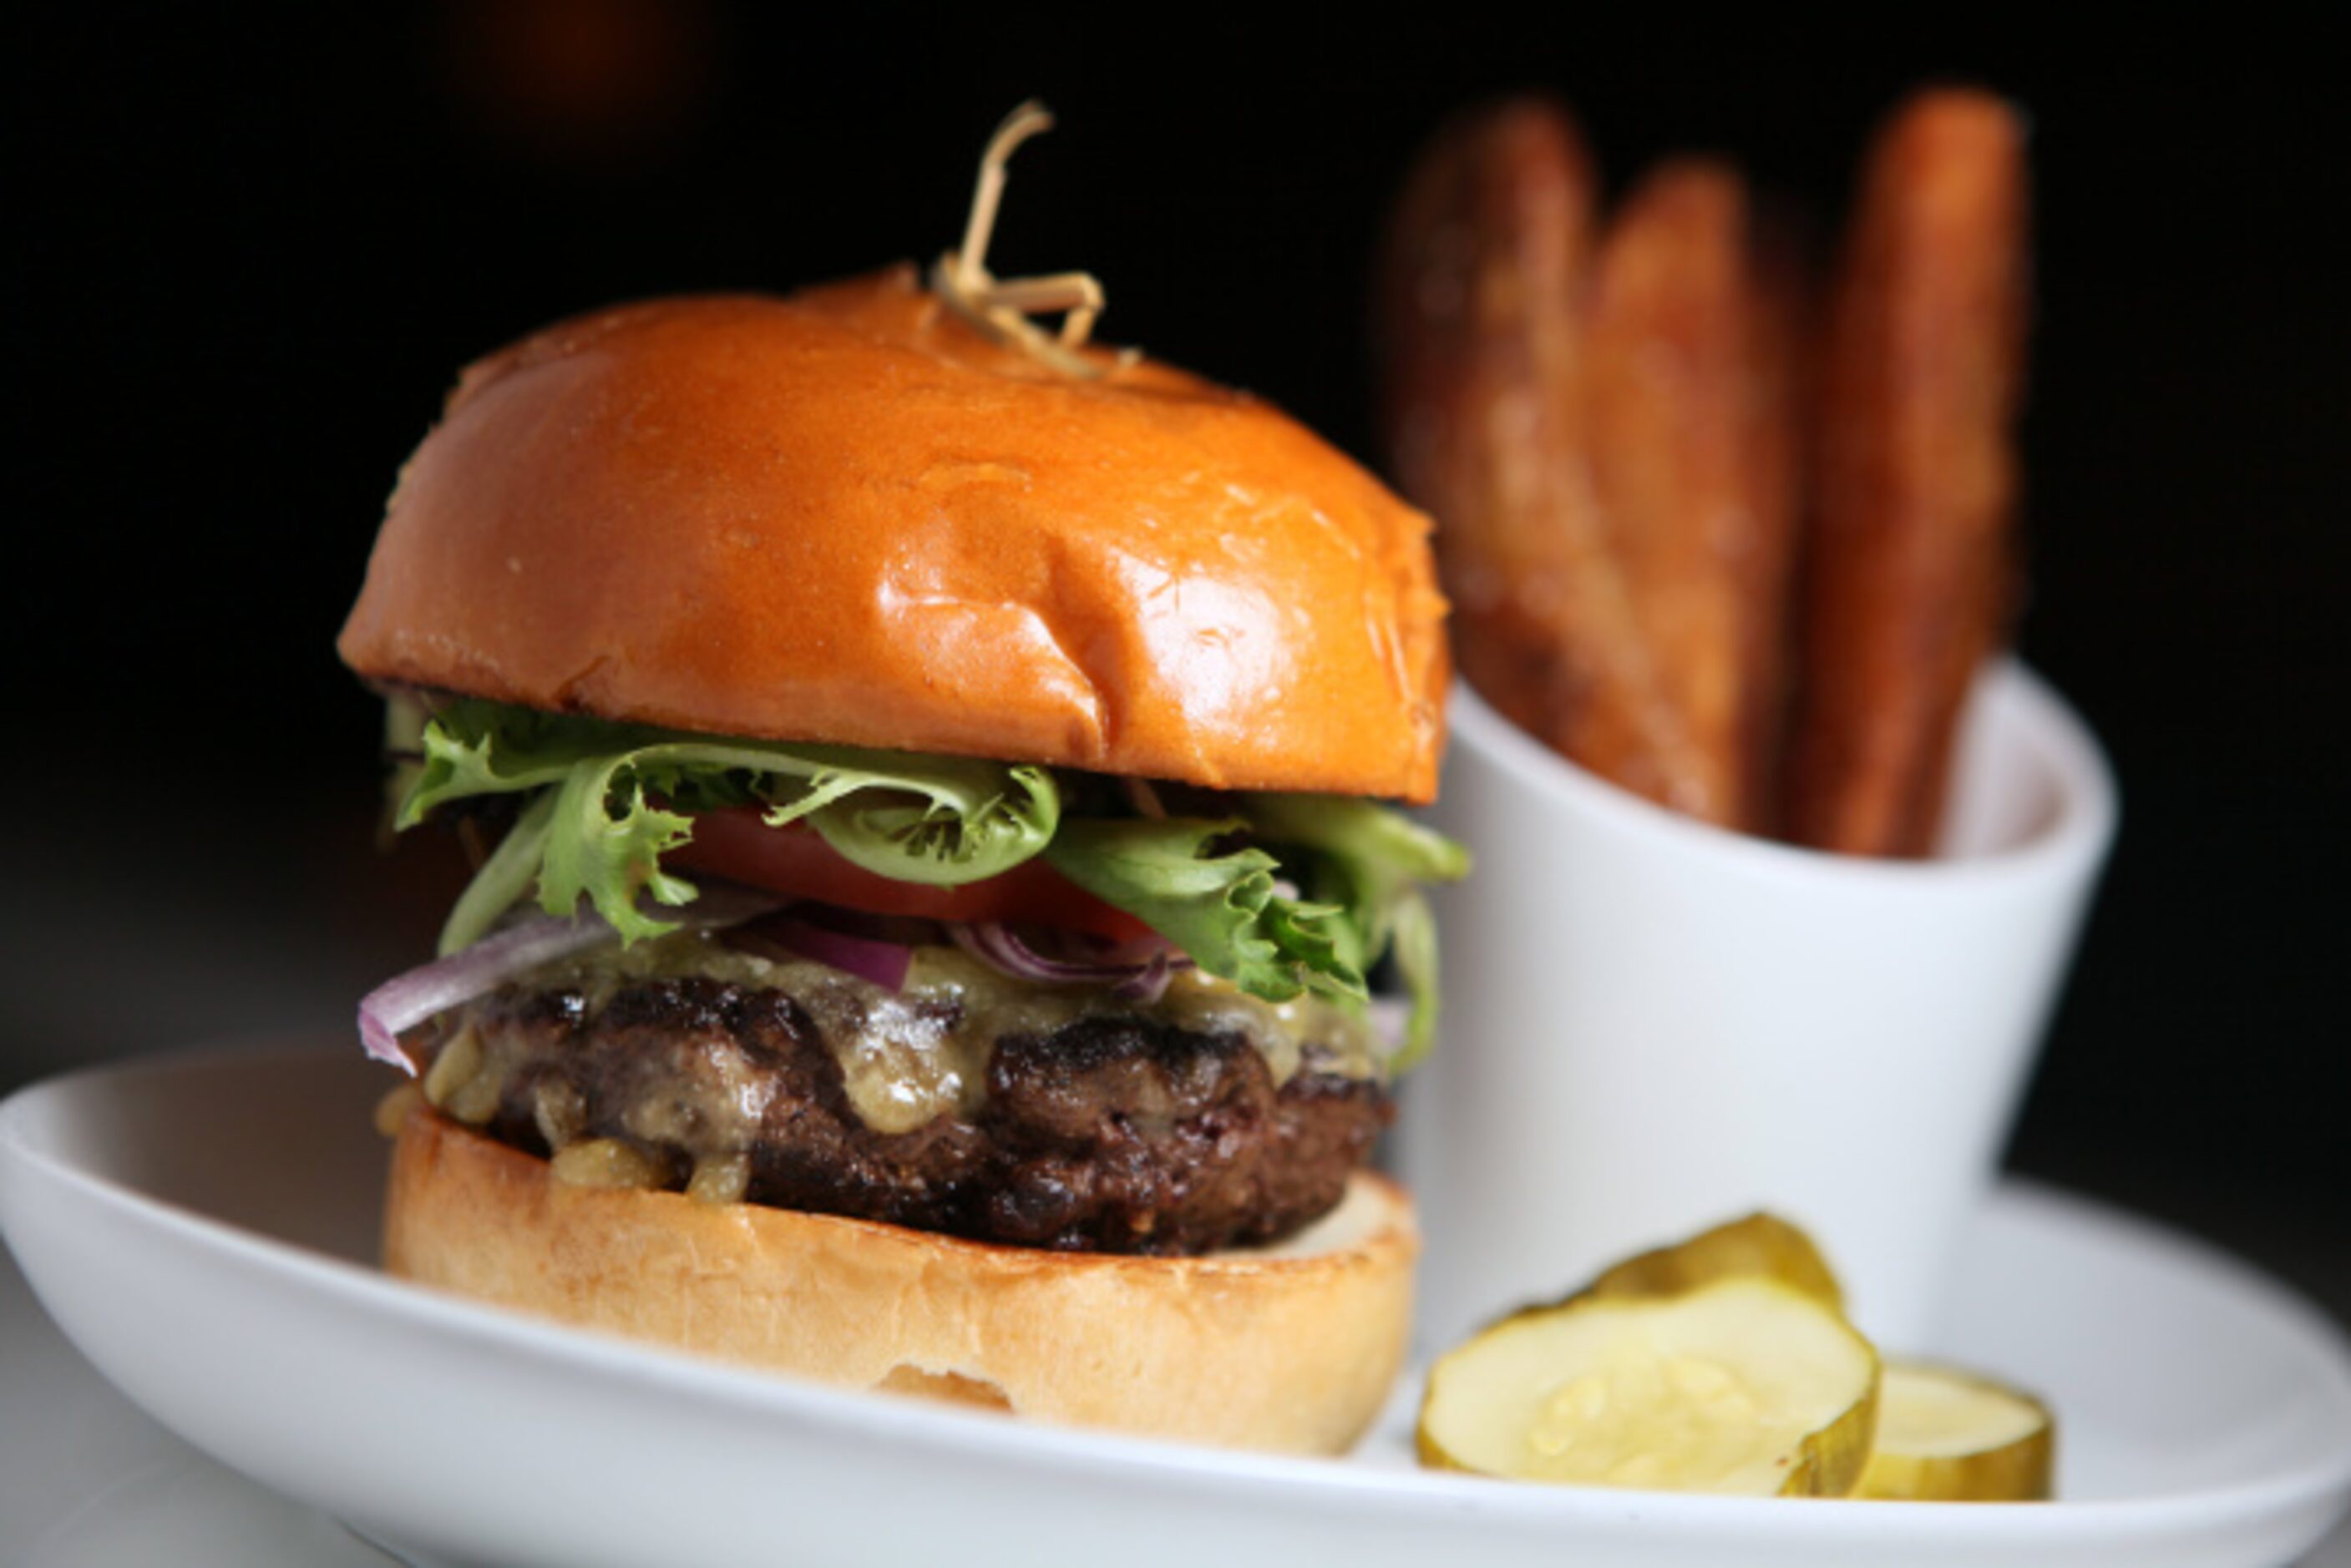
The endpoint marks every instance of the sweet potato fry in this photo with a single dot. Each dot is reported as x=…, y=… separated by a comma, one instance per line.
x=1482, y=293
x=1780, y=400
x=1672, y=430
x=1908, y=573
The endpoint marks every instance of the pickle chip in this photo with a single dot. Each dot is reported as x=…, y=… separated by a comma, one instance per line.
x=1746, y=1386
x=1761, y=1244
x=1947, y=1436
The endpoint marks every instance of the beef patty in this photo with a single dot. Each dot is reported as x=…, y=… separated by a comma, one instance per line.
x=1118, y=1134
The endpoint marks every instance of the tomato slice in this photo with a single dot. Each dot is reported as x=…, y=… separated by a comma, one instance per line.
x=737, y=845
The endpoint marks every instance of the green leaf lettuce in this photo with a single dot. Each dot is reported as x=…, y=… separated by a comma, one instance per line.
x=618, y=795
x=1290, y=894
x=1221, y=905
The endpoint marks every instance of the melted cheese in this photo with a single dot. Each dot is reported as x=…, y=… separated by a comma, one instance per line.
x=907, y=1057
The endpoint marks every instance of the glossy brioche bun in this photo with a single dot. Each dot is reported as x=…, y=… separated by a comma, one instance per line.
x=846, y=516
x=1287, y=1349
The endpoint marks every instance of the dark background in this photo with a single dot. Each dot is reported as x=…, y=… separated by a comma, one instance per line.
x=249, y=250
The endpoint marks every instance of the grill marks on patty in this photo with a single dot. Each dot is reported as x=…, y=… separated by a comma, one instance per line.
x=1120, y=1133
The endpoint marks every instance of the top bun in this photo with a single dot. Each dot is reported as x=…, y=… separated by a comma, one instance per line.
x=847, y=516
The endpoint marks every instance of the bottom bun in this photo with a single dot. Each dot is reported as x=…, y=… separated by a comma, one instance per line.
x=1290, y=1348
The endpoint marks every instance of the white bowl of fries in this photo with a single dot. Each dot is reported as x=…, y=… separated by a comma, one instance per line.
x=1654, y=1023
x=1780, y=859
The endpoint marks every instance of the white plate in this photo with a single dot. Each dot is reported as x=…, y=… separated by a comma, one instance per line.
x=201, y=1228
x=86, y=1480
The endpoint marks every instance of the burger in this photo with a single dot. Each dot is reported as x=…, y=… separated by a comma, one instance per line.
x=928, y=778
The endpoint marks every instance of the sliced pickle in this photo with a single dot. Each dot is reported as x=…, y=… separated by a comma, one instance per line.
x=1761, y=1244
x=1746, y=1386
x=1947, y=1436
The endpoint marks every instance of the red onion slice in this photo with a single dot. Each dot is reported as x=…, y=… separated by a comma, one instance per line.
x=1136, y=971
x=405, y=1001
x=883, y=963
x=1148, y=983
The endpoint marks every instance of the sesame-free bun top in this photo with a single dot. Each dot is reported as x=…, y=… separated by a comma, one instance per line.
x=849, y=516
